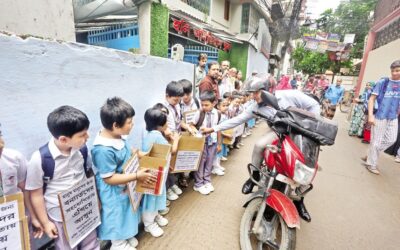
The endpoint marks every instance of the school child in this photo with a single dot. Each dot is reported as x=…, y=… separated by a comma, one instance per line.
x=110, y=152
x=250, y=123
x=156, y=124
x=207, y=117
x=188, y=103
x=234, y=110
x=56, y=167
x=222, y=107
x=13, y=167
x=173, y=95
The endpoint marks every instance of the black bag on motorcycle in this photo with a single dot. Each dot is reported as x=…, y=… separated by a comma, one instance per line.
x=321, y=130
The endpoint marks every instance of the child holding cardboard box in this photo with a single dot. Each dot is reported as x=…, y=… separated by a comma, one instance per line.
x=207, y=117
x=156, y=124
x=110, y=152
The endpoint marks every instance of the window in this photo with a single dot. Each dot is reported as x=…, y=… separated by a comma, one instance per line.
x=226, y=10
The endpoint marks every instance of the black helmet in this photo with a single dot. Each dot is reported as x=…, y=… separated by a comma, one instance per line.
x=257, y=82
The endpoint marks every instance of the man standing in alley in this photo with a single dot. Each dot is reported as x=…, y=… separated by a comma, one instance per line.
x=209, y=83
x=383, y=119
x=334, y=95
x=200, y=72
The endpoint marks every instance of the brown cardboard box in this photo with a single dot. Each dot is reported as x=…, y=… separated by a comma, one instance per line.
x=226, y=140
x=157, y=161
x=188, y=156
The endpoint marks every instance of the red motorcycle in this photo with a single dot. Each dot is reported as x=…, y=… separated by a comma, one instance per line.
x=290, y=165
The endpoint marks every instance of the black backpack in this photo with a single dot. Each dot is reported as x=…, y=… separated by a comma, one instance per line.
x=48, y=164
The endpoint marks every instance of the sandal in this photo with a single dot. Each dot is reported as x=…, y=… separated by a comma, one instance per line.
x=372, y=170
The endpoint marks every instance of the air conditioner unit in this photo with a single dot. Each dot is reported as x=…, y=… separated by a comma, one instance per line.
x=177, y=52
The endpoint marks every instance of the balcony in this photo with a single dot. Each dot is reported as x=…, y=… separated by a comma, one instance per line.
x=200, y=5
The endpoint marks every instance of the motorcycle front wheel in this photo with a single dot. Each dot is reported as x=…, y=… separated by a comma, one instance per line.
x=283, y=237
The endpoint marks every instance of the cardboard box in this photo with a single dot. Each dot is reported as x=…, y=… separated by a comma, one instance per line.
x=157, y=161
x=226, y=140
x=188, y=156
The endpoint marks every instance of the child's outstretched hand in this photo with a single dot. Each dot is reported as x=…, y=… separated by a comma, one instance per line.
x=145, y=176
x=205, y=131
x=51, y=230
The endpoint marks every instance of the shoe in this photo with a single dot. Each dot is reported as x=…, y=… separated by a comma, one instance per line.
x=133, y=242
x=301, y=208
x=164, y=212
x=241, y=144
x=397, y=159
x=248, y=133
x=210, y=187
x=171, y=195
x=222, y=168
x=224, y=158
x=154, y=229
x=121, y=245
x=364, y=158
x=202, y=190
x=161, y=221
x=248, y=187
x=218, y=171
x=373, y=170
x=168, y=203
x=176, y=189
x=244, y=135
x=237, y=147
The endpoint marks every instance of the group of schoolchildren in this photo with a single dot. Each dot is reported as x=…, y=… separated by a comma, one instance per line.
x=65, y=161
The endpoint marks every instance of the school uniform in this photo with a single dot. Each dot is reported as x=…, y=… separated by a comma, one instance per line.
x=118, y=221
x=68, y=172
x=13, y=167
x=151, y=204
x=203, y=174
x=224, y=147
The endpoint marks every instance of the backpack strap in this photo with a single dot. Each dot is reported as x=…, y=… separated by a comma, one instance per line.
x=196, y=101
x=219, y=116
x=201, y=119
x=84, y=152
x=385, y=83
x=48, y=165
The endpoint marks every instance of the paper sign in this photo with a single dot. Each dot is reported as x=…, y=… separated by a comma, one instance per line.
x=13, y=223
x=132, y=166
x=80, y=211
x=189, y=116
x=187, y=160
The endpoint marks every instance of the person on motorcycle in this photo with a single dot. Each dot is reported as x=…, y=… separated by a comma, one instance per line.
x=268, y=105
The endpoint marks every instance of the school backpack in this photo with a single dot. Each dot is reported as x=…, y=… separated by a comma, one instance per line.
x=48, y=164
x=202, y=117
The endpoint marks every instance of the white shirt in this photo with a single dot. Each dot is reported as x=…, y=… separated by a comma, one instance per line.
x=68, y=172
x=295, y=98
x=189, y=107
x=13, y=167
x=173, y=119
x=214, y=122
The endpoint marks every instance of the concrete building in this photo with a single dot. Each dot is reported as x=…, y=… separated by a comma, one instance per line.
x=383, y=42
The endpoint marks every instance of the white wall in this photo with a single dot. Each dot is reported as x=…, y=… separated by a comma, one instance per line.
x=217, y=14
x=379, y=60
x=43, y=18
x=37, y=76
x=179, y=5
x=235, y=17
x=256, y=61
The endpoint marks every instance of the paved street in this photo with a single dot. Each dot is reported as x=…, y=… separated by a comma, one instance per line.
x=350, y=208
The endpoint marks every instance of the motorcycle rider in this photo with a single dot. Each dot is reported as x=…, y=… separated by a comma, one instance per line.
x=268, y=105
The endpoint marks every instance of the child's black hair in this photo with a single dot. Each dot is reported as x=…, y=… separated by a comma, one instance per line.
x=207, y=96
x=161, y=107
x=220, y=101
x=154, y=119
x=67, y=121
x=174, y=89
x=227, y=95
x=395, y=64
x=187, y=86
x=115, y=110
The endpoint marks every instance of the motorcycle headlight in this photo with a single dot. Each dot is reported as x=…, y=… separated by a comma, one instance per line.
x=302, y=173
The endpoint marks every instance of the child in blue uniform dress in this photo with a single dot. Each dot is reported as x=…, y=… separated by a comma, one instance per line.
x=156, y=125
x=110, y=152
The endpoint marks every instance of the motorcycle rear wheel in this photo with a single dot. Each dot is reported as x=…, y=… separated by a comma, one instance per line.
x=285, y=236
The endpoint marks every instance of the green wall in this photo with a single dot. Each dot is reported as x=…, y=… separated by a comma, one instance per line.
x=237, y=56
x=159, y=30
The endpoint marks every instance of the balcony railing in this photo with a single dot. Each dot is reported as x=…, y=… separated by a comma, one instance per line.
x=201, y=5
x=384, y=8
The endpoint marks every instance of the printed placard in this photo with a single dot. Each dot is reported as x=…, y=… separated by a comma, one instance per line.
x=80, y=211
x=13, y=223
x=187, y=160
x=132, y=166
x=189, y=116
